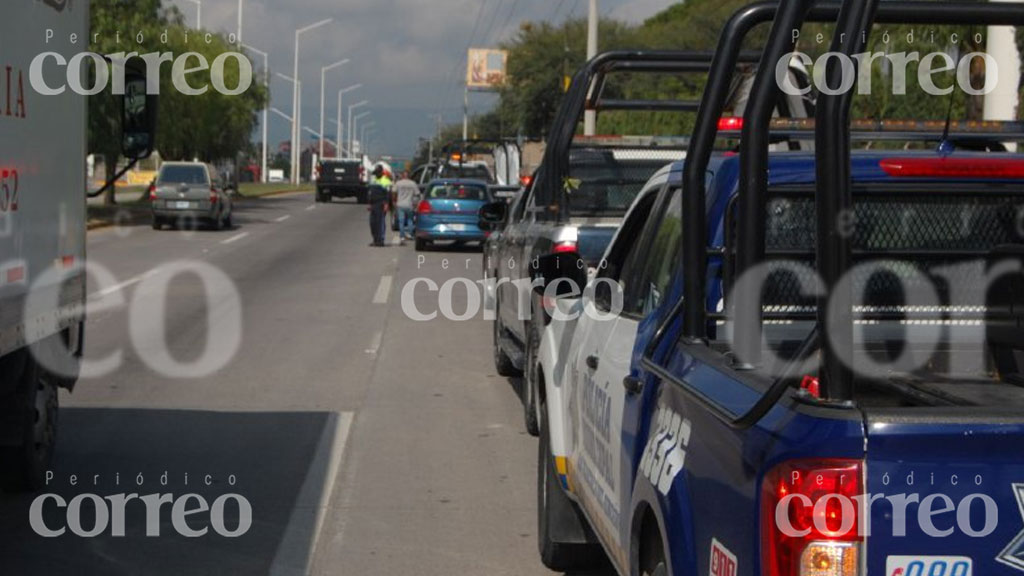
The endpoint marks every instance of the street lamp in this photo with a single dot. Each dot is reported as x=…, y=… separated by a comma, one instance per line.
x=199, y=13
x=370, y=135
x=362, y=132
x=323, y=82
x=295, y=102
x=341, y=92
x=351, y=134
x=320, y=136
x=352, y=127
x=266, y=82
x=280, y=113
x=293, y=160
x=239, y=38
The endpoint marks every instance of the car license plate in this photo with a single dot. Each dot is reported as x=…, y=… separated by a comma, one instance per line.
x=457, y=227
x=928, y=565
x=339, y=170
x=182, y=205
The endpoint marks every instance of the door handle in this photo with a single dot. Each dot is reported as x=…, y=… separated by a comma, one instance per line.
x=592, y=362
x=633, y=385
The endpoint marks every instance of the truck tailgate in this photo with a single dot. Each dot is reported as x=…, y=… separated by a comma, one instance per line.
x=968, y=478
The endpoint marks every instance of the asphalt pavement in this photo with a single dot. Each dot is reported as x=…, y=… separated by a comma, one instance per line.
x=364, y=441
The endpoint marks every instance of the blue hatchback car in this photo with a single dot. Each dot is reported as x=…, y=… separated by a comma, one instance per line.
x=449, y=211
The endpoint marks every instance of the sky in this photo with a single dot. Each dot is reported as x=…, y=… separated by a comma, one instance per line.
x=409, y=54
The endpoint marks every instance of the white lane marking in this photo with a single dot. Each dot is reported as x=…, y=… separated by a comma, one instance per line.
x=283, y=218
x=383, y=290
x=295, y=552
x=378, y=338
x=118, y=287
x=235, y=238
x=310, y=207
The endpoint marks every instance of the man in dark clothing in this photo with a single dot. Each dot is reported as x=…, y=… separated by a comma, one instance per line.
x=379, y=197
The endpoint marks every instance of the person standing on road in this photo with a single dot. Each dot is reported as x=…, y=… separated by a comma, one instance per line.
x=406, y=192
x=380, y=189
x=385, y=182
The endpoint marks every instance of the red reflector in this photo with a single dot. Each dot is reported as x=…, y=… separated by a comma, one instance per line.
x=810, y=519
x=424, y=208
x=152, y=191
x=564, y=248
x=812, y=386
x=730, y=123
x=953, y=167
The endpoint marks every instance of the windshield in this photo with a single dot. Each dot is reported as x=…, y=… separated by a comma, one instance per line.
x=183, y=174
x=458, y=192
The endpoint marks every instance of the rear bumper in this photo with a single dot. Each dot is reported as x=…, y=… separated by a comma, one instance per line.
x=186, y=215
x=445, y=232
x=342, y=190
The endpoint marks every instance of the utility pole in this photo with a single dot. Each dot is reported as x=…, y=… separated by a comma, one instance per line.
x=341, y=141
x=465, y=114
x=1002, y=102
x=590, y=116
x=240, y=6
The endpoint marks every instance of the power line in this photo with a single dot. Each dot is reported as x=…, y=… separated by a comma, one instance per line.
x=452, y=74
x=494, y=18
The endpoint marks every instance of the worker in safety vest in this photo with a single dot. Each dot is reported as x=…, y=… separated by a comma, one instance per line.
x=380, y=193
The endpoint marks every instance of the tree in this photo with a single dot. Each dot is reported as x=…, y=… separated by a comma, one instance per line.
x=211, y=126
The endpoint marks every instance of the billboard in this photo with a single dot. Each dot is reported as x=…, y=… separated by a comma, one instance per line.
x=486, y=68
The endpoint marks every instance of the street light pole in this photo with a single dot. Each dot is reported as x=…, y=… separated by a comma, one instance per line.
x=294, y=119
x=266, y=82
x=352, y=129
x=296, y=96
x=351, y=134
x=323, y=82
x=240, y=3
x=590, y=116
x=362, y=132
x=339, y=126
x=199, y=13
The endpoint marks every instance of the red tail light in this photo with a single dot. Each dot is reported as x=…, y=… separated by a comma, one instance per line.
x=424, y=207
x=810, y=524
x=946, y=167
x=213, y=195
x=152, y=192
x=730, y=124
x=526, y=181
x=564, y=248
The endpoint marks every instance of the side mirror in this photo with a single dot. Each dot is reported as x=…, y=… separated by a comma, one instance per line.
x=138, y=118
x=566, y=271
x=493, y=215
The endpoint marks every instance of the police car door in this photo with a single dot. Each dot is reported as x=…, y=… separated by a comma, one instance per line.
x=601, y=363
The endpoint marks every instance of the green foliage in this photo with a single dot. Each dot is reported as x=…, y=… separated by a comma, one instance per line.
x=210, y=127
x=542, y=54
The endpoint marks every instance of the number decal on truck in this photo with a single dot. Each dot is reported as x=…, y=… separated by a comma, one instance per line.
x=8, y=191
x=665, y=453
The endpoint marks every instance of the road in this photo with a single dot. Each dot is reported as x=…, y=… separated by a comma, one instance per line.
x=364, y=441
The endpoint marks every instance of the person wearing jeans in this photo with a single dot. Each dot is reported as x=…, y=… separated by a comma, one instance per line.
x=406, y=192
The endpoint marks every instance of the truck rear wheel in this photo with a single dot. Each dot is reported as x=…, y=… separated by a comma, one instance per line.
x=33, y=414
x=566, y=542
x=531, y=382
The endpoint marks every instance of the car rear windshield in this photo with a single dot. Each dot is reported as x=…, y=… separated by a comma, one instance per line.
x=606, y=183
x=471, y=172
x=184, y=175
x=458, y=192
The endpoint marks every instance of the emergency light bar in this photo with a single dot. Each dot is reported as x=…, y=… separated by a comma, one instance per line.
x=731, y=126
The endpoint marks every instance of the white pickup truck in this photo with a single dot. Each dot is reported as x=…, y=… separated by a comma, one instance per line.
x=43, y=225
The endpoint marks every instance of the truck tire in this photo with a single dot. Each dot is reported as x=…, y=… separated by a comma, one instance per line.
x=531, y=381
x=565, y=540
x=502, y=363
x=363, y=197
x=319, y=198
x=158, y=224
x=34, y=408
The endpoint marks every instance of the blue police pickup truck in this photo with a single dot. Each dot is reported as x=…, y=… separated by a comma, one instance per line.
x=798, y=363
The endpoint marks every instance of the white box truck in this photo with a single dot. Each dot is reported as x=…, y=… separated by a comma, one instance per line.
x=43, y=226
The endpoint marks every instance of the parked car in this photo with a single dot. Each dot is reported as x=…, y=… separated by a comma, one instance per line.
x=341, y=178
x=449, y=211
x=184, y=194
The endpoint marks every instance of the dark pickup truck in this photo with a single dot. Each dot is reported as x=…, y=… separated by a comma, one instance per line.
x=341, y=178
